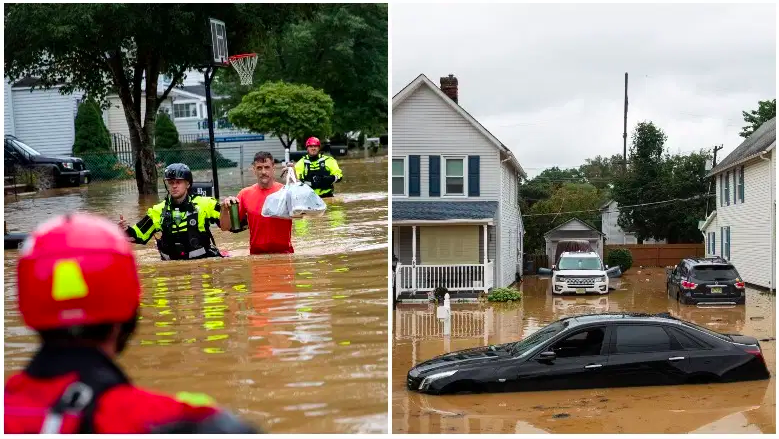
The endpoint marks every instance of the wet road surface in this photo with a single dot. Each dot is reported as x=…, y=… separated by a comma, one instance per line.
x=292, y=343
x=747, y=407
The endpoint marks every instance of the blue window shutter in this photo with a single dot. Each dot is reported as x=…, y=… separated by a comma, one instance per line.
x=742, y=184
x=722, y=241
x=474, y=177
x=435, y=176
x=727, y=188
x=721, y=192
x=735, y=186
x=413, y=176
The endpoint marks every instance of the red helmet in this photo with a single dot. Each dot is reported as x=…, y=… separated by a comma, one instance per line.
x=312, y=141
x=77, y=270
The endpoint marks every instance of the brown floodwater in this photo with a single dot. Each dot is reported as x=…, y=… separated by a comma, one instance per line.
x=746, y=407
x=291, y=343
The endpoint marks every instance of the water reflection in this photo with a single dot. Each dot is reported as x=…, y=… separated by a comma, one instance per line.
x=733, y=408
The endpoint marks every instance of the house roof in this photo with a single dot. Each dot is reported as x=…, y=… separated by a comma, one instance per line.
x=30, y=81
x=703, y=224
x=443, y=210
x=420, y=80
x=606, y=204
x=763, y=139
x=199, y=90
x=567, y=222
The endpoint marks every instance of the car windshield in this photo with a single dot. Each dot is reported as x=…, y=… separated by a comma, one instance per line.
x=526, y=345
x=579, y=263
x=714, y=272
x=24, y=147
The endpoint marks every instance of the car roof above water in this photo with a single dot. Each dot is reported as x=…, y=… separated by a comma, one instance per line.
x=625, y=317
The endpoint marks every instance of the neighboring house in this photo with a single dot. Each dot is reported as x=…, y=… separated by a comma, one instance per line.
x=455, y=195
x=43, y=119
x=613, y=233
x=573, y=229
x=186, y=106
x=743, y=227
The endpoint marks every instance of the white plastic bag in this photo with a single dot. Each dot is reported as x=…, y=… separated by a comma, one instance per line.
x=277, y=204
x=303, y=201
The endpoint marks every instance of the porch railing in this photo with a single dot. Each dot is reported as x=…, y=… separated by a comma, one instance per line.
x=425, y=324
x=457, y=277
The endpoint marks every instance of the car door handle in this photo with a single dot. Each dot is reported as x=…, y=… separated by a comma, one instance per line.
x=675, y=358
x=593, y=366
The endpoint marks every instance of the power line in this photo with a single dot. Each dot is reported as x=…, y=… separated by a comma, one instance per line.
x=655, y=203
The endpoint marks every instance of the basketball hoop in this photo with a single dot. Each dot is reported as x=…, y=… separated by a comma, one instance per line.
x=244, y=64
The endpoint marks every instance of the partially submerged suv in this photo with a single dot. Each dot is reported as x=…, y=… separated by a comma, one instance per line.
x=66, y=171
x=579, y=273
x=713, y=281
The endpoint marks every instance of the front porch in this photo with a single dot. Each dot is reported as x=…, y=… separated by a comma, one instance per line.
x=458, y=256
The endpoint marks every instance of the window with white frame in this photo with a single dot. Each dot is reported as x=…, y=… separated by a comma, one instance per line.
x=399, y=181
x=454, y=175
x=184, y=110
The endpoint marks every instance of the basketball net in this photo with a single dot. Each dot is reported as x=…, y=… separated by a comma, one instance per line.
x=244, y=65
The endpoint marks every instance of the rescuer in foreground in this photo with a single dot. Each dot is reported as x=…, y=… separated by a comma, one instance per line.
x=78, y=288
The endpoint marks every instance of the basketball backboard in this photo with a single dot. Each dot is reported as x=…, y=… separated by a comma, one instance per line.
x=218, y=41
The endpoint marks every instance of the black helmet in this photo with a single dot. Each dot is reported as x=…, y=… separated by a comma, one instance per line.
x=178, y=171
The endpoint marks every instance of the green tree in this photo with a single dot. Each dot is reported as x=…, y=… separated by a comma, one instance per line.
x=288, y=111
x=766, y=110
x=91, y=133
x=166, y=135
x=339, y=48
x=571, y=200
x=117, y=48
x=654, y=176
x=93, y=143
x=601, y=171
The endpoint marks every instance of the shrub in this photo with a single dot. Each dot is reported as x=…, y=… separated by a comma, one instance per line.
x=195, y=155
x=621, y=257
x=504, y=295
x=439, y=294
x=166, y=136
x=93, y=144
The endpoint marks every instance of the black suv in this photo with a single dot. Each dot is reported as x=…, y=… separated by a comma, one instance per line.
x=706, y=280
x=66, y=171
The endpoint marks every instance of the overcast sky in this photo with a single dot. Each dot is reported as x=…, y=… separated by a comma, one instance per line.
x=548, y=80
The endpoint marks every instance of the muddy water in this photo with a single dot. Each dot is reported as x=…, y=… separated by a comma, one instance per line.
x=717, y=408
x=292, y=343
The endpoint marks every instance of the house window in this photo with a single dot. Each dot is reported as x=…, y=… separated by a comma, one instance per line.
x=727, y=188
x=712, y=243
x=725, y=242
x=399, y=176
x=184, y=110
x=454, y=176
x=741, y=184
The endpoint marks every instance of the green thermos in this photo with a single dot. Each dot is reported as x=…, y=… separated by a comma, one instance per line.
x=235, y=221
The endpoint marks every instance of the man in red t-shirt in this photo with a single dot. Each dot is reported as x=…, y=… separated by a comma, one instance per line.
x=266, y=235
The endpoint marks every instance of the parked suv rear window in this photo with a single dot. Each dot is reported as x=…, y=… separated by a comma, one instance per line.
x=714, y=272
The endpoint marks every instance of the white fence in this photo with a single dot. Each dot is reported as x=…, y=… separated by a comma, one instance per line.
x=425, y=324
x=460, y=277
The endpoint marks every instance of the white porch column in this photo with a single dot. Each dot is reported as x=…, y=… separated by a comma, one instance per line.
x=485, y=246
x=486, y=267
x=414, y=258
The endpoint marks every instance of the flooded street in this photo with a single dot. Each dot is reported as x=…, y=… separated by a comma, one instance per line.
x=746, y=407
x=292, y=343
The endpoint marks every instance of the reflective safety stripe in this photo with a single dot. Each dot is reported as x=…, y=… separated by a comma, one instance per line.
x=193, y=254
x=195, y=399
x=68, y=282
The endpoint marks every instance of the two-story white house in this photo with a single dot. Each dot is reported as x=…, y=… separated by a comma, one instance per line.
x=612, y=232
x=456, y=221
x=742, y=229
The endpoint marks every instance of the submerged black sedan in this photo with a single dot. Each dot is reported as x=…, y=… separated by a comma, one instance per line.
x=598, y=350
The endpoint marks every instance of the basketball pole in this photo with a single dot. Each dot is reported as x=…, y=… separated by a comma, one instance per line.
x=209, y=76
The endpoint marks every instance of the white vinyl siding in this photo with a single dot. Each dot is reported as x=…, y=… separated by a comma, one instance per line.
x=614, y=233
x=8, y=109
x=750, y=222
x=45, y=119
x=425, y=125
x=509, y=229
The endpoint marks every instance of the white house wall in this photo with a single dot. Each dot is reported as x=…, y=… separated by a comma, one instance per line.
x=425, y=125
x=750, y=223
x=45, y=119
x=614, y=233
x=510, y=238
x=8, y=108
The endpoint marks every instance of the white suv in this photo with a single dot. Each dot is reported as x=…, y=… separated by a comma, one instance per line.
x=580, y=273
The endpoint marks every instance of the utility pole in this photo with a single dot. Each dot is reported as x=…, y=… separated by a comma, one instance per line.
x=714, y=161
x=625, y=129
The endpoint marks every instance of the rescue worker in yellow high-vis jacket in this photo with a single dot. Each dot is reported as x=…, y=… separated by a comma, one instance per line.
x=317, y=170
x=183, y=218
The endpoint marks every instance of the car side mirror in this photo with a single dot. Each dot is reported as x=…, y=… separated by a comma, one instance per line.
x=547, y=356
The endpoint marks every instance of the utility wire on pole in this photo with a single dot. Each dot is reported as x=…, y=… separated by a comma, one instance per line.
x=654, y=203
x=625, y=129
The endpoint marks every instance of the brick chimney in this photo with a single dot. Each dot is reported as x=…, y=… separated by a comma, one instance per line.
x=449, y=86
